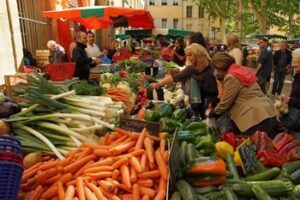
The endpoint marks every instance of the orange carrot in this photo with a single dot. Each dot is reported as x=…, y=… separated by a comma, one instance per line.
x=149, y=174
x=106, y=185
x=70, y=192
x=135, y=164
x=96, y=146
x=135, y=153
x=125, y=188
x=154, y=138
x=98, y=169
x=113, y=182
x=80, y=188
x=163, y=168
x=89, y=194
x=106, y=161
x=115, y=174
x=145, y=183
x=50, y=193
x=52, y=180
x=122, y=131
x=35, y=195
x=161, y=195
x=146, y=197
x=126, y=196
x=117, y=150
x=162, y=185
x=134, y=135
x=87, y=151
x=125, y=176
x=45, y=175
x=102, y=152
x=144, y=161
x=119, y=163
x=133, y=175
x=136, y=192
x=166, y=156
x=100, y=175
x=81, y=170
x=73, y=167
x=96, y=190
x=105, y=139
x=149, y=151
x=119, y=140
x=105, y=193
x=48, y=165
x=140, y=140
x=72, y=153
x=33, y=167
x=61, y=191
x=162, y=146
x=147, y=191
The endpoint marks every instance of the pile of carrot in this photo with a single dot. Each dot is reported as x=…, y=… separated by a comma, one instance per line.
x=125, y=166
x=120, y=95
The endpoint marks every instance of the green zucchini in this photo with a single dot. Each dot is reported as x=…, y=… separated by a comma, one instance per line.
x=295, y=176
x=273, y=188
x=218, y=195
x=195, y=125
x=204, y=190
x=191, y=153
x=260, y=193
x=259, y=167
x=186, y=136
x=186, y=190
x=176, y=196
x=296, y=191
x=183, y=149
x=229, y=194
x=201, y=197
x=266, y=175
x=291, y=167
x=232, y=167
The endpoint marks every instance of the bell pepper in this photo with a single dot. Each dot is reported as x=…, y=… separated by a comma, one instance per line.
x=205, y=144
x=294, y=154
x=236, y=157
x=168, y=125
x=151, y=115
x=223, y=148
x=165, y=110
x=208, y=168
x=262, y=141
x=230, y=138
x=179, y=115
x=271, y=158
x=284, y=150
x=203, y=181
x=141, y=113
x=281, y=139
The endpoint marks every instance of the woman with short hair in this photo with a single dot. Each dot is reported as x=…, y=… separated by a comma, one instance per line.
x=233, y=48
x=247, y=106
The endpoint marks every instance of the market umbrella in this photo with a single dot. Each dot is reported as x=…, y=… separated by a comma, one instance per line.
x=97, y=17
x=269, y=36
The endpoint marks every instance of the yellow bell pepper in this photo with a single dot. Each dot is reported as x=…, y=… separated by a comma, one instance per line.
x=236, y=157
x=223, y=148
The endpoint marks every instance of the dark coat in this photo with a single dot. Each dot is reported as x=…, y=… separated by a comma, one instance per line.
x=83, y=62
x=277, y=57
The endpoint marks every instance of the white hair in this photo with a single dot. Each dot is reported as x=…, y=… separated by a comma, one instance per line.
x=296, y=53
x=51, y=43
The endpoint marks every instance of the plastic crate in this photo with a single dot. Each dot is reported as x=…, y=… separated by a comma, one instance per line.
x=10, y=144
x=10, y=180
x=11, y=157
x=60, y=71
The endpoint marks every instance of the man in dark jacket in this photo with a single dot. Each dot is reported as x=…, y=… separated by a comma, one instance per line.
x=264, y=66
x=282, y=61
x=83, y=62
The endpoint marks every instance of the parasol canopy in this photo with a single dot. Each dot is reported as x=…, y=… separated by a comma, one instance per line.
x=97, y=17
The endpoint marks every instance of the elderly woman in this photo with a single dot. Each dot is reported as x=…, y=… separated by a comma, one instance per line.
x=242, y=98
x=233, y=48
x=198, y=67
x=292, y=119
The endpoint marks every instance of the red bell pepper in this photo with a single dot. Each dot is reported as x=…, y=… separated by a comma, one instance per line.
x=281, y=139
x=262, y=141
x=271, y=158
x=284, y=150
x=294, y=154
x=230, y=138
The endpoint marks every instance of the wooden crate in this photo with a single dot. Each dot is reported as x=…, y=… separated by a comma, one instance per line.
x=42, y=56
x=16, y=81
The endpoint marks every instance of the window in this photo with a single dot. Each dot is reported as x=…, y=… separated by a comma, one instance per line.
x=163, y=23
x=175, y=23
x=164, y=2
x=189, y=12
x=189, y=27
x=151, y=2
x=175, y=3
x=201, y=12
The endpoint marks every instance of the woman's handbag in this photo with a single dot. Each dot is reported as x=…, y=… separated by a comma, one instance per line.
x=292, y=119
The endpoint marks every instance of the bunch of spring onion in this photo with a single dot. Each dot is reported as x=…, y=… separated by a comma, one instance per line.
x=57, y=121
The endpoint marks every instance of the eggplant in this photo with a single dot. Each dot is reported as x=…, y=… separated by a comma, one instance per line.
x=9, y=108
x=135, y=110
x=7, y=99
x=149, y=105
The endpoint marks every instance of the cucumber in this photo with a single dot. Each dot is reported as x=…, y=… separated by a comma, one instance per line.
x=195, y=125
x=204, y=190
x=186, y=136
x=232, y=167
x=296, y=191
x=214, y=195
x=175, y=196
x=183, y=149
x=201, y=197
x=291, y=167
x=229, y=194
x=191, y=153
x=266, y=175
x=295, y=176
x=260, y=193
x=186, y=190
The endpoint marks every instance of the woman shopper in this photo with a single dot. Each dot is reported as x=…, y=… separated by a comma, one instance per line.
x=292, y=119
x=197, y=67
x=233, y=48
x=248, y=108
x=179, y=55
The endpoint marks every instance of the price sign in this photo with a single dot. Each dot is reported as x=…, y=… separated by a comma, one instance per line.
x=174, y=163
x=138, y=125
x=247, y=151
